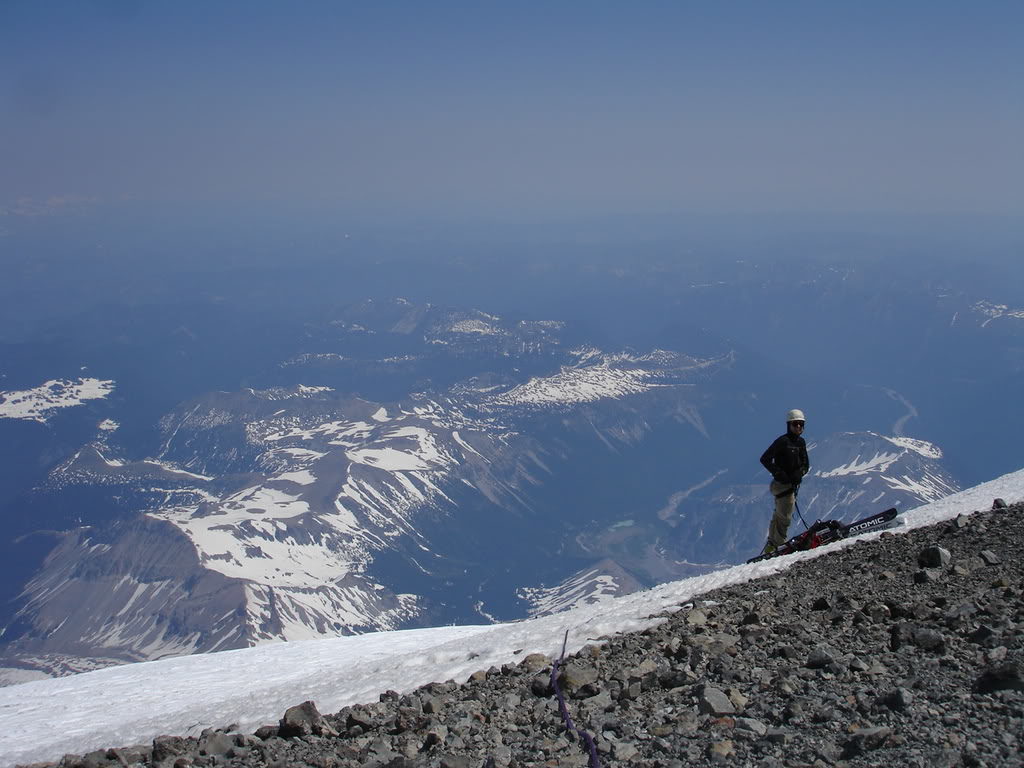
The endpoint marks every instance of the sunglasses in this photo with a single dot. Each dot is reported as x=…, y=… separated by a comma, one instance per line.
x=797, y=424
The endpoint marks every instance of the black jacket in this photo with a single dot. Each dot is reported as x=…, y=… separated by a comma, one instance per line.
x=786, y=459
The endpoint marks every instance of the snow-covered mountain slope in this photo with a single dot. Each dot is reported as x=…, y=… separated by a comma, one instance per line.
x=45, y=719
x=301, y=510
x=287, y=543
x=852, y=471
x=593, y=584
x=299, y=504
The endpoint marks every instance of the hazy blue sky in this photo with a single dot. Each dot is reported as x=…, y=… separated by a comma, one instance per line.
x=515, y=107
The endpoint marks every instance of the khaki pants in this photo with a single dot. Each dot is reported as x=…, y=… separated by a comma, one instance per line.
x=784, y=504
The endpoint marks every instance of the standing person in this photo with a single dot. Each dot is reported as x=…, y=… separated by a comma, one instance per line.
x=786, y=460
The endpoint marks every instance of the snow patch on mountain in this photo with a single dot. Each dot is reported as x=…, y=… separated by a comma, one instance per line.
x=299, y=477
x=589, y=587
x=287, y=393
x=877, y=463
x=473, y=326
x=858, y=470
x=598, y=376
x=311, y=357
x=923, y=447
x=881, y=460
x=992, y=311
x=40, y=403
x=176, y=470
x=599, y=583
x=577, y=386
x=338, y=481
x=928, y=486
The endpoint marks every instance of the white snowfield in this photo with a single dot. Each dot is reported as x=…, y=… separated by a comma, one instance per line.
x=44, y=719
x=40, y=403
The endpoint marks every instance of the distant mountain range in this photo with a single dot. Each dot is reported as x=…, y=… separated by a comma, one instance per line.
x=520, y=472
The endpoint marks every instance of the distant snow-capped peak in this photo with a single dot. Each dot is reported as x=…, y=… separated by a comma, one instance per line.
x=993, y=311
x=595, y=375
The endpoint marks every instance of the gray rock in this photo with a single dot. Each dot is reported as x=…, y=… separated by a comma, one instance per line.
x=436, y=736
x=696, y=618
x=535, y=662
x=865, y=740
x=169, y=746
x=215, y=743
x=675, y=678
x=878, y=612
x=779, y=735
x=431, y=705
x=787, y=652
x=859, y=665
x=304, y=720
x=457, y=761
x=989, y=557
x=574, y=676
x=713, y=701
x=721, y=751
x=739, y=701
x=359, y=717
x=942, y=758
x=983, y=635
x=597, y=703
x=926, y=638
x=687, y=723
x=997, y=655
x=934, y=557
x=623, y=750
x=998, y=504
x=898, y=699
x=824, y=714
x=822, y=604
x=540, y=685
x=715, y=644
x=748, y=725
x=1007, y=676
x=929, y=639
x=821, y=656
x=95, y=759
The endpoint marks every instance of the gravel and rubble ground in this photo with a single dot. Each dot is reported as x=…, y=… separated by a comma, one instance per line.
x=902, y=650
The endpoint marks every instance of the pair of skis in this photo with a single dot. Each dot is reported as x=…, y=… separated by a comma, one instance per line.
x=826, y=531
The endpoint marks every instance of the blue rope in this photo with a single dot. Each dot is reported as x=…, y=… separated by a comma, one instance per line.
x=806, y=526
x=587, y=739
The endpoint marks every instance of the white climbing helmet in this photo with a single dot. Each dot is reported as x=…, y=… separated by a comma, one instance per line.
x=795, y=415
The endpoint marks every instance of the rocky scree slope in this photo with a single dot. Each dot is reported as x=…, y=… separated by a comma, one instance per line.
x=902, y=650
